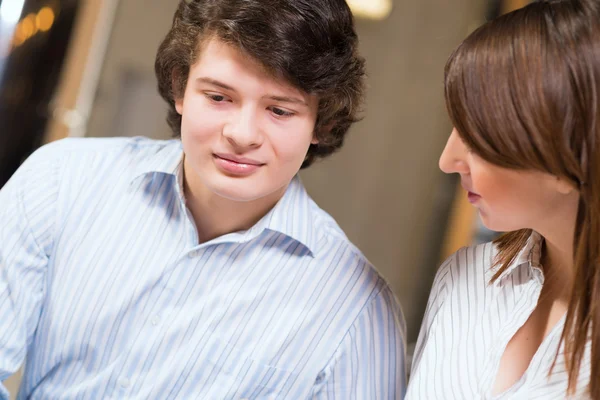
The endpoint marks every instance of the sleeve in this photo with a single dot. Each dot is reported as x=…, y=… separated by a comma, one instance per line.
x=437, y=295
x=27, y=215
x=370, y=361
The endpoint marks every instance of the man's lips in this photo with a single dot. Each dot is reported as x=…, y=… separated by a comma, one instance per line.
x=235, y=165
x=239, y=160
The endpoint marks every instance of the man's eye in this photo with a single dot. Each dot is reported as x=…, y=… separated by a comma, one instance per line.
x=281, y=113
x=216, y=97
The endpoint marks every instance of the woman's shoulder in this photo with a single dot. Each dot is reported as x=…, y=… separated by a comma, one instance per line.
x=468, y=265
x=476, y=256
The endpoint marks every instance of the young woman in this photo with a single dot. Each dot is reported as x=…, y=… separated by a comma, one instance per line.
x=519, y=318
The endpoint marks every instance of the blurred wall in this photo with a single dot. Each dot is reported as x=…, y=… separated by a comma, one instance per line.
x=382, y=187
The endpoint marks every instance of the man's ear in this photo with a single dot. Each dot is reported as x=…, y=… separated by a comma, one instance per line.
x=179, y=105
x=177, y=96
x=323, y=131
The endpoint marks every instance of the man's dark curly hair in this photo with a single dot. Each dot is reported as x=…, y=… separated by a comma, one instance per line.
x=311, y=44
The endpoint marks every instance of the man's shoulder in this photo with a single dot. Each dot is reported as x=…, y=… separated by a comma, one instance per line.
x=90, y=156
x=87, y=146
x=328, y=229
x=337, y=252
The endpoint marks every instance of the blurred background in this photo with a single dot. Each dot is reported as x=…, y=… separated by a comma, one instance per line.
x=86, y=68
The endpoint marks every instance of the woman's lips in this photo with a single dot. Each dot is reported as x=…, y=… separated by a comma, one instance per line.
x=473, y=197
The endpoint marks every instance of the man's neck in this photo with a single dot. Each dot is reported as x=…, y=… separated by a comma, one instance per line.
x=216, y=216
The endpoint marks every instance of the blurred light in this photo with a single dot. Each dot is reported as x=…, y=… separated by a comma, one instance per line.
x=4, y=52
x=44, y=19
x=10, y=10
x=29, y=26
x=371, y=9
x=26, y=28
x=18, y=36
x=30, y=20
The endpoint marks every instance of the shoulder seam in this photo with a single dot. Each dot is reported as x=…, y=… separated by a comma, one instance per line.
x=379, y=286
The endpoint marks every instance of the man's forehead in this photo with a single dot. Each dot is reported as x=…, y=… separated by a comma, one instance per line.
x=213, y=44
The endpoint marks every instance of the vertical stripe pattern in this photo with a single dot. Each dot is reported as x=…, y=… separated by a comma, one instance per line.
x=105, y=292
x=468, y=323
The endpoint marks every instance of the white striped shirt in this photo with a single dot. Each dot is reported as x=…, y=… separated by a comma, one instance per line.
x=468, y=323
x=106, y=292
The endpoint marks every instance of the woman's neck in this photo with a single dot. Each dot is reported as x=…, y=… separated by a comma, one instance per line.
x=557, y=256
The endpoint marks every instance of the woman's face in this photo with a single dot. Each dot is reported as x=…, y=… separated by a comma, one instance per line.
x=507, y=199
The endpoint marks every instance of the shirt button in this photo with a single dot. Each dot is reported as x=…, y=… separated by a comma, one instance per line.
x=155, y=320
x=193, y=254
x=124, y=383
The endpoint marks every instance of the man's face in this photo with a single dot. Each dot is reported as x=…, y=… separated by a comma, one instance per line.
x=245, y=134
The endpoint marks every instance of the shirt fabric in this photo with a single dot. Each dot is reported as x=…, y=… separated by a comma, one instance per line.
x=469, y=321
x=106, y=293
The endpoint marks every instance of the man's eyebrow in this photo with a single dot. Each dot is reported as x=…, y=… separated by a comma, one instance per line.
x=216, y=83
x=286, y=99
x=283, y=99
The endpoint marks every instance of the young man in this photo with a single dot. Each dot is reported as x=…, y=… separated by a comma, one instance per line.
x=200, y=268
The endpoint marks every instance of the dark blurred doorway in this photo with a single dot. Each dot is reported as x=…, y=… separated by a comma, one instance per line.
x=34, y=36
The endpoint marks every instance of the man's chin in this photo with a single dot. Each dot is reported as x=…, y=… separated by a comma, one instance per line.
x=239, y=191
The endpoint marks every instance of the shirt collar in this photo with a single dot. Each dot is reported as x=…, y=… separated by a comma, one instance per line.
x=529, y=256
x=165, y=159
x=292, y=216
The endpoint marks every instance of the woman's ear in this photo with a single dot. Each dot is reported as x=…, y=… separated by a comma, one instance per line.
x=563, y=186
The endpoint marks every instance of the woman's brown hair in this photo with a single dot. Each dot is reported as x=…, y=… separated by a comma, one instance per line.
x=523, y=92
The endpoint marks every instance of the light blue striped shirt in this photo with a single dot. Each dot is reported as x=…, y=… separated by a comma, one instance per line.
x=105, y=292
